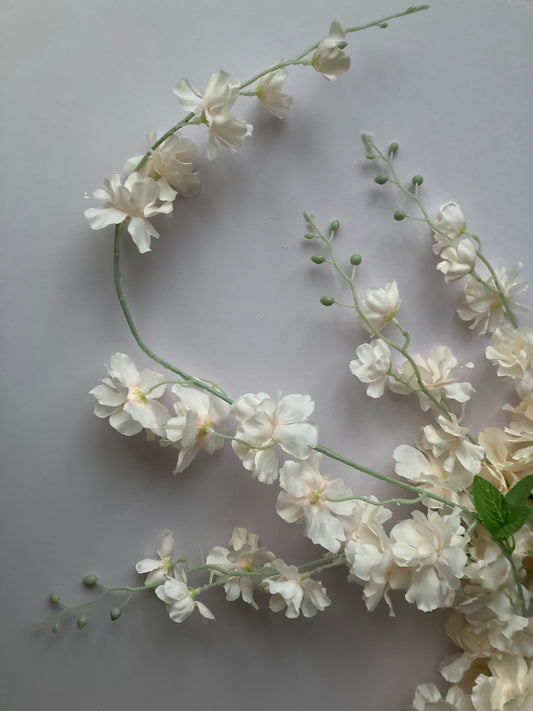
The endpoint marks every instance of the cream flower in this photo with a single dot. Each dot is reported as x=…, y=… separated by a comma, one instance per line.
x=428, y=698
x=171, y=164
x=129, y=398
x=179, y=598
x=432, y=547
x=512, y=351
x=137, y=200
x=509, y=688
x=270, y=95
x=423, y=469
x=458, y=260
x=451, y=445
x=438, y=375
x=380, y=306
x=290, y=590
x=372, y=366
x=484, y=307
x=199, y=416
x=304, y=497
x=158, y=569
x=220, y=95
x=244, y=554
x=264, y=422
x=451, y=224
x=329, y=59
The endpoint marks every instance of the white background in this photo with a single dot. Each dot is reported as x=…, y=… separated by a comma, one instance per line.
x=229, y=293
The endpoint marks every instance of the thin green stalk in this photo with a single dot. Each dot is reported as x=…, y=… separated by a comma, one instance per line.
x=516, y=578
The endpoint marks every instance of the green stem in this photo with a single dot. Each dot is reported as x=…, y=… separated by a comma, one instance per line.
x=417, y=500
x=516, y=578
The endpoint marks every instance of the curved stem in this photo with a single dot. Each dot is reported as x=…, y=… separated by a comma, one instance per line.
x=516, y=578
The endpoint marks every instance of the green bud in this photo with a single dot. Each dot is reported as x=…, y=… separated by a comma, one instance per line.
x=82, y=621
x=369, y=156
x=115, y=613
x=327, y=301
x=342, y=45
x=411, y=9
x=393, y=148
x=417, y=180
x=56, y=628
x=399, y=215
x=308, y=235
x=384, y=25
x=318, y=258
x=307, y=217
x=90, y=580
x=54, y=598
x=356, y=260
x=381, y=179
x=334, y=225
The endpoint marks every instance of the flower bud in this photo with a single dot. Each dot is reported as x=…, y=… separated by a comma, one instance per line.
x=342, y=44
x=115, y=613
x=308, y=235
x=318, y=258
x=399, y=215
x=393, y=148
x=384, y=25
x=327, y=301
x=417, y=180
x=334, y=225
x=82, y=621
x=381, y=179
x=90, y=580
x=56, y=628
x=54, y=598
x=356, y=260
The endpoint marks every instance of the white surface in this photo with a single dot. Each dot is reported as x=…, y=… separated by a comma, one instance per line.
x=229, y=293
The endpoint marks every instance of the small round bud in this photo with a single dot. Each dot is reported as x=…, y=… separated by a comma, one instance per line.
x=318, y=258
x=327, y=301
x=356, y=260
x=417, y=180
x=54, y=598
x=90, y=580
x=399, y=215
x=308, y=235
x=81, y=622
x=384, y=25
x=342, y=44
x=369, y=156
x=56, y=628
x=393, y=148
x=334, y=225
x=115, y=613
x=381, y=179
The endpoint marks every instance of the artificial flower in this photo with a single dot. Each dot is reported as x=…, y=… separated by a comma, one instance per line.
x=380, y=306
x=421, y=468
x=450, y=223
x=158, y=569
x=451, y=445
x=458, y=260
x=244, y=554
x=213, y=107
x=304, y=496
x=294, y=592
x=135, y=201
x=428, y=698
x=194, y=428
x=264, y=422
x=270, y=95
x=372, y=366
x=508, y=688
x=179, y=598
x=329, y=59
x=512, y=351
x=130, y=398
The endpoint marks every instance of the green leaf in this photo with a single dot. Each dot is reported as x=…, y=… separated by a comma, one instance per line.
x=491, y=505
x=516, y=518
x=520, y=491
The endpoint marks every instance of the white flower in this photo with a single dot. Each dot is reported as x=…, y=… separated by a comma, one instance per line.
x=484, y=307
x=372, y=366
x=138, y=199
x=290, y=590
x=220, y=95
x=380, y=306
x=264, y=422
x=270, y=95
x=158, y=570
x=458, y=260
x=171, y=164
x=433, y=548
x=328, y=59
x=451, y=225
x=438, y=375
x=179, y=598
x=512, y=351
x=452, y=444
x=244, y=554
x=509, y=688
x=304, y=496
x=424, y=470
x=129, y=398
x=198, y=414
x=428, y=698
